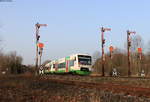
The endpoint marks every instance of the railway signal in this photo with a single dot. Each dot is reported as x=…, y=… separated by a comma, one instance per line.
x=40, y=45
x=128, y=49
x=103, y=42
x=140, y=53
x=142, y=73
x=111, y=49
x=37, y=42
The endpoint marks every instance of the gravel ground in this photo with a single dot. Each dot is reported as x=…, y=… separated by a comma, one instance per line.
x=31, y=89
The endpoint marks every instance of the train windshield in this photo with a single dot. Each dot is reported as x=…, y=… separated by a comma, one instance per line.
x=84, y=60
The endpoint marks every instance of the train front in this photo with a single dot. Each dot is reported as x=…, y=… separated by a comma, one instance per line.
x=84, y=64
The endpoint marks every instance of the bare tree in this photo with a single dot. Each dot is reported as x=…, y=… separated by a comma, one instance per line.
x=118, y=61
x=136, y=42
x=96, y=55
x=11, y=63
x=14, y=63
x=0, y=45
x=148, y=48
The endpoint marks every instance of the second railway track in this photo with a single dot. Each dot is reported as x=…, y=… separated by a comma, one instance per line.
x=102, y=85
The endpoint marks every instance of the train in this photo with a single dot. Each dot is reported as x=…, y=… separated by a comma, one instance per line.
x=80, y=64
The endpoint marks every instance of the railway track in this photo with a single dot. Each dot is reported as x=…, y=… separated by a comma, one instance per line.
x=115, y=88
x=75, y=77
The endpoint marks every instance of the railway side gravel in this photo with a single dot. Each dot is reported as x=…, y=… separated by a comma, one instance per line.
x=37, y=89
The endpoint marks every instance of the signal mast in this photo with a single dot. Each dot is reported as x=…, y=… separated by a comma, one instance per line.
x=37, y=41
x=103, y=42
x=128, y=49
x=111, y=50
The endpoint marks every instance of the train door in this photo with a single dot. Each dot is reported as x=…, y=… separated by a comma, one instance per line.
x=76, y=63
x=56, y=67
x=67, y=65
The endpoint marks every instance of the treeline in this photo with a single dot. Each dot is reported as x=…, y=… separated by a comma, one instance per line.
x=11, y=63
x=119, y=60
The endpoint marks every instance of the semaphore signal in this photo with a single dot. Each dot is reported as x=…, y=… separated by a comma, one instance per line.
x=37, y=43
x=103, y=42
x=128, y=49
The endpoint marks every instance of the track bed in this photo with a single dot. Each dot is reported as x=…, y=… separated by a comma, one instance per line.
x=48, y=89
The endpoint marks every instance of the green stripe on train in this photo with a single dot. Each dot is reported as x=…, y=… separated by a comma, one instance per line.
x=59, y=71
x=72, y=71
x=80, y=72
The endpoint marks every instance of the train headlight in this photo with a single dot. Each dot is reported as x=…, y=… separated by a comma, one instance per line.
x=91, y=69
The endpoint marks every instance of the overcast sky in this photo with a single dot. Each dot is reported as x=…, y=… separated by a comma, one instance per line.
x=73, y=25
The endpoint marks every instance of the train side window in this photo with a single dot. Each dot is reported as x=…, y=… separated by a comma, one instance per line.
x=61, y=65
x=53, y=65
x=71, y=63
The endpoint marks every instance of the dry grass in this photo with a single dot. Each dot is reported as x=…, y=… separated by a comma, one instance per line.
x=29, y=88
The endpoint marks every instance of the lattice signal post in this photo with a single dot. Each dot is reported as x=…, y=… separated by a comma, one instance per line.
x=128, y=49
x=37, y=41
x=103, y=42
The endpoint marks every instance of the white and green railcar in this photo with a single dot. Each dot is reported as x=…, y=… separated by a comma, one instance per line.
x=76, y=64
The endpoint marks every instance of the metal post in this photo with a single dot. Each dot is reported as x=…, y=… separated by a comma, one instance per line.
x=103, y=42
x=41, y=50
x=128, y=49
x=37, y=41
x=140, y=59
x=103, y=57
x=111, y=57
